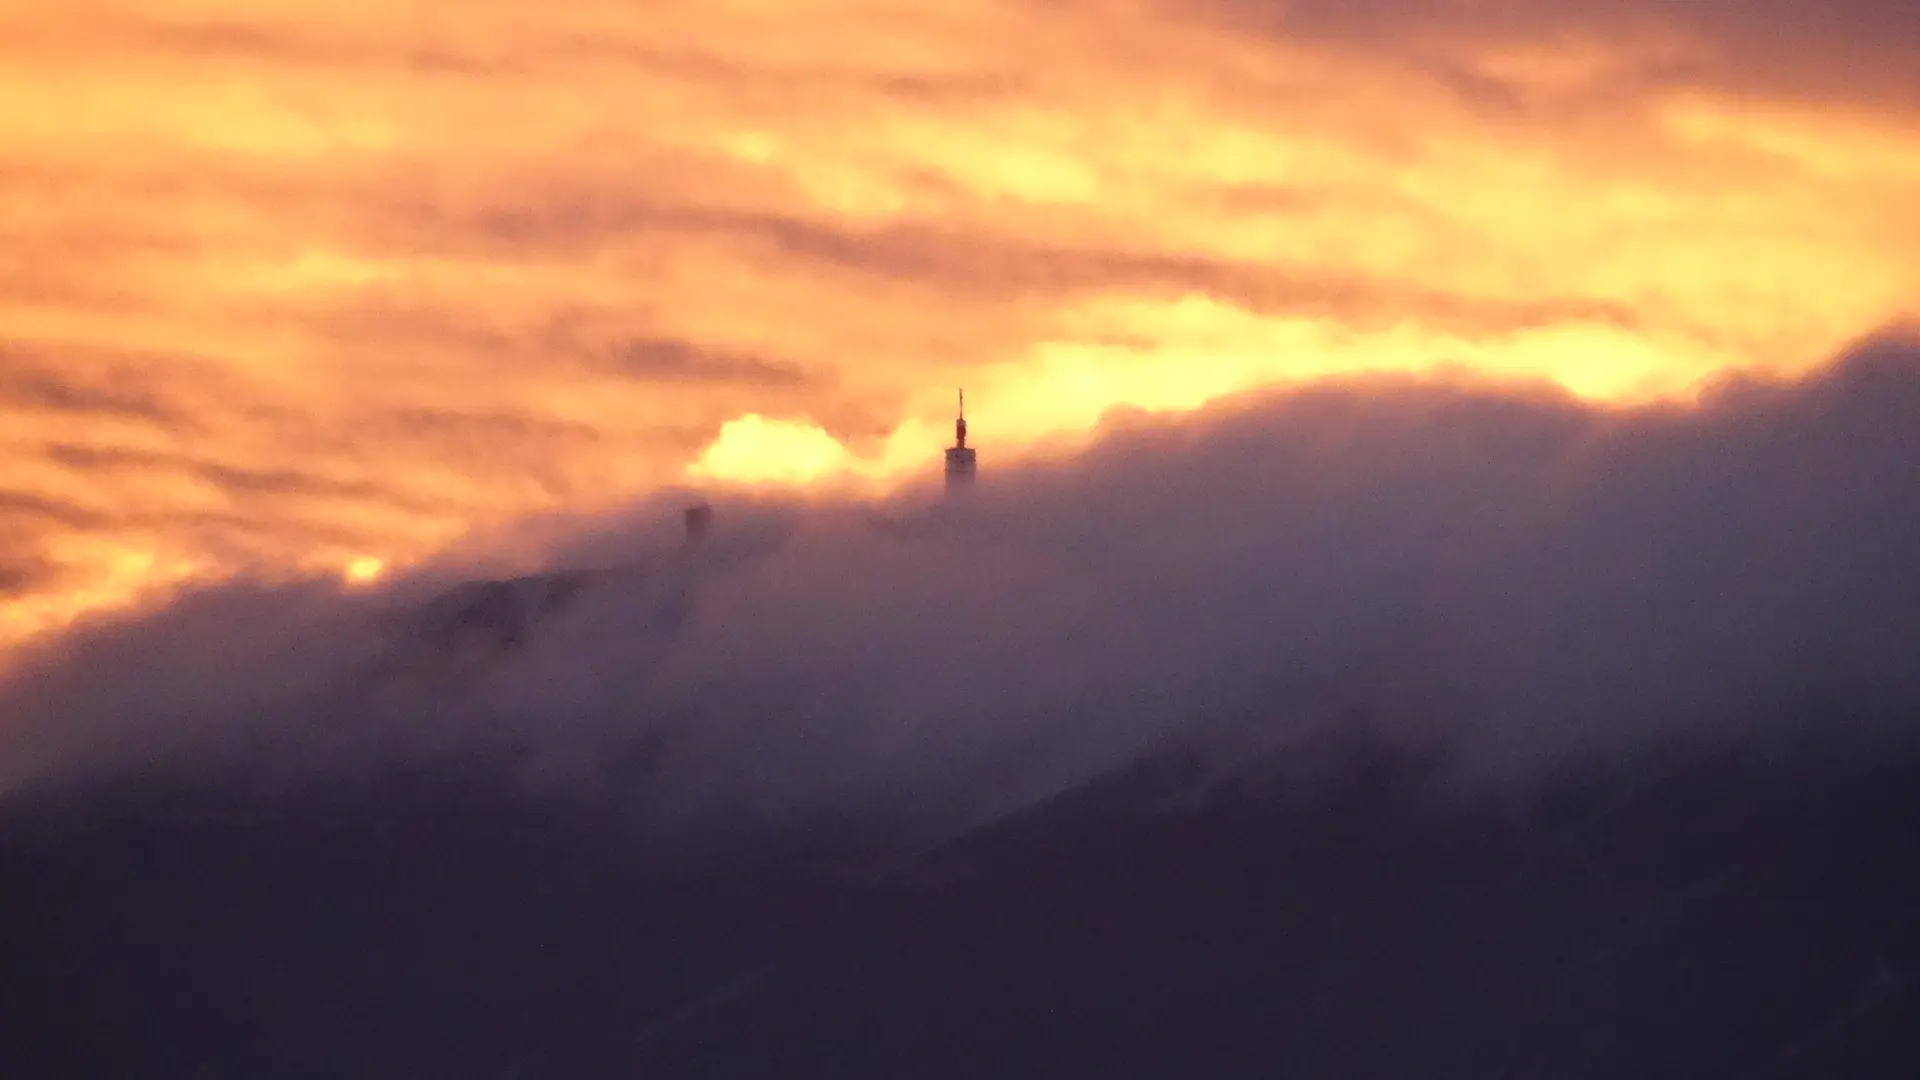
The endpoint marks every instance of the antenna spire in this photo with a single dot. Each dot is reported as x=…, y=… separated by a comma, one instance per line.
x=960, y=458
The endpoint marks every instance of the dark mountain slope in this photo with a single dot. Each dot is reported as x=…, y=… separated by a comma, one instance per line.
x=1729, y=919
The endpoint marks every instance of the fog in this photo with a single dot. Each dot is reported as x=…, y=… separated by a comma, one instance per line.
x=1504, y=580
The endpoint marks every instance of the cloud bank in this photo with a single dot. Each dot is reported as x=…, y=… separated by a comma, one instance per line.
x=1507, y=578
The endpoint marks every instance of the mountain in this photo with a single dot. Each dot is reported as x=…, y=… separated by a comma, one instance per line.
x=1727, y=915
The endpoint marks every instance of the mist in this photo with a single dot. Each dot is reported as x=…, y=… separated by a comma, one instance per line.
x=1505, y=580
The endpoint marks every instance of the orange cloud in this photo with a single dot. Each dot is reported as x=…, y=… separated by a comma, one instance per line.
x=291, y=289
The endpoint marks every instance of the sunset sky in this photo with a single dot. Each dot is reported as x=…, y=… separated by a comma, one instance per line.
x=302, y=287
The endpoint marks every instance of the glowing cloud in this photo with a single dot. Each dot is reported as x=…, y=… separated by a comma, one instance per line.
x=756, y=450
x=364, y=570
x=283, y=286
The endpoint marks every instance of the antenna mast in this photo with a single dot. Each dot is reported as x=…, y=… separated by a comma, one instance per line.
x=960, y=457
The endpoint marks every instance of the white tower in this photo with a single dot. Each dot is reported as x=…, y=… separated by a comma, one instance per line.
x=960, y=458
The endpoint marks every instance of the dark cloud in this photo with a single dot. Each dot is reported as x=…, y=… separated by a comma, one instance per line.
x=29, y=520
x=18, y=506
x=572, y=336
x=537, y=49
x=421, y=438
x=369, y=321
x=270, y=482
x=25, y=387
x=238, y=481
x=25, y=574
x=14, y=580
x=514, y=447
x=700, y=382
x=956, y=89
x=227, y=41
x=458, y=426
x=962, y=265
x=675, y=360
x=1859, y=50
x=1512, y=580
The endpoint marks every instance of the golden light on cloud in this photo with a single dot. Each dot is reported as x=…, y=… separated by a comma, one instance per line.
x=282, y=285
x=364, y=570
x=116, y=577
x=756, y=450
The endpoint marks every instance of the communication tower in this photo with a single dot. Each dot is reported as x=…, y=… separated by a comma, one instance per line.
x=960, y=456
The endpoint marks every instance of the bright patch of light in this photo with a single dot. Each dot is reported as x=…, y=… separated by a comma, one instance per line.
x=755, y=450
x=365, y=570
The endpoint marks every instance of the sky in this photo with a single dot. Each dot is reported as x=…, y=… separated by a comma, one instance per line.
x=290, y=288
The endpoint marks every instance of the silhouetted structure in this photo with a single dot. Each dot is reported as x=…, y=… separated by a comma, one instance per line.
x=960, y=457
x=479, y=618
x=699, y=520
